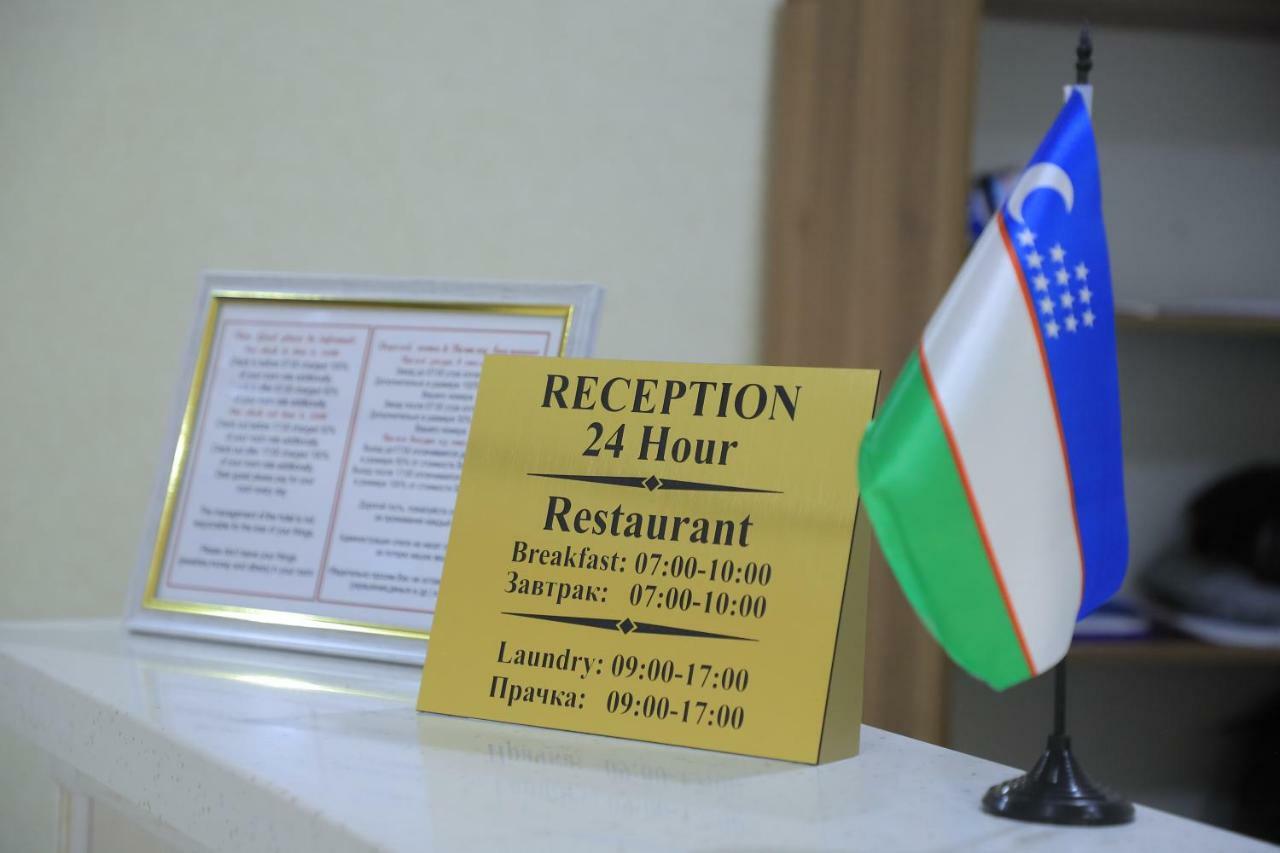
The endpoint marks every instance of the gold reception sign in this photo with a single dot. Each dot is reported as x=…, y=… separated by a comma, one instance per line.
x=666, y=552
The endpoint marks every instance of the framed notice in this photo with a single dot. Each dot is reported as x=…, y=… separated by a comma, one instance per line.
x=307, y=488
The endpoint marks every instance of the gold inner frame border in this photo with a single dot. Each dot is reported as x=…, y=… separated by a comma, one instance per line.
x=191, y=408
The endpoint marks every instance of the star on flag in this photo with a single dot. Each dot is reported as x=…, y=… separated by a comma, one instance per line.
x=1063, y=276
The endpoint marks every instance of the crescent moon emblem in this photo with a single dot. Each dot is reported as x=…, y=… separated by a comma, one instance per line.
x=1049, y=176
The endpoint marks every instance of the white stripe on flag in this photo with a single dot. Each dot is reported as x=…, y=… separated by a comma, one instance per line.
x=984, y=354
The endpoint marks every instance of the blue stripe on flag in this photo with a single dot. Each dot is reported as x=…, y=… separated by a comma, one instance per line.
x=1064, y=258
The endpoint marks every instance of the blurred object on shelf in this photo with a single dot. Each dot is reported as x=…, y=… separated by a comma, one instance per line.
x=1118, y=619
x=1215, y=630
x=1237, y=520
x=1226, y=588
x=986, y=194
x=1201, y=586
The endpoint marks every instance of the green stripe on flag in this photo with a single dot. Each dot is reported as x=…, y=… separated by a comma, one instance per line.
x=922, y=519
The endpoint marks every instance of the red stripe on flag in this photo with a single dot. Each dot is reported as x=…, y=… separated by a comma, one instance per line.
x=1048, y=380
x=973, y=508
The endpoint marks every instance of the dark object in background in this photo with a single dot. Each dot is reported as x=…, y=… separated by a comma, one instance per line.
x=1238, y=519
x=987, y=193
x=1213, y=587
x=1256, y=746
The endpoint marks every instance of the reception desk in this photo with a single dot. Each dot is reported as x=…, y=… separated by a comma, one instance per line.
x=229, y=748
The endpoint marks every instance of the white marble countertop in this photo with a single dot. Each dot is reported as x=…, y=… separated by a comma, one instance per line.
x=243, y=749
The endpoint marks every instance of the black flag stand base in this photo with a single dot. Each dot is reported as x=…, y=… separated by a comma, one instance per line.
x=1057, y=789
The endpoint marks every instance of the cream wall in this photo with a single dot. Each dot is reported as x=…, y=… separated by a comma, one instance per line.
x=616, y=142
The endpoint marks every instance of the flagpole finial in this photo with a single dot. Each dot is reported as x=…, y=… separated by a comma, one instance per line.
x=1084, y=56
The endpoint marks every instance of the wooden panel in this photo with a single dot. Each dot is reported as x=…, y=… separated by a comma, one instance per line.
x=869, y=167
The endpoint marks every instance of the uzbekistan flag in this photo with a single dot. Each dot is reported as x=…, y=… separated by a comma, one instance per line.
x=993, y=474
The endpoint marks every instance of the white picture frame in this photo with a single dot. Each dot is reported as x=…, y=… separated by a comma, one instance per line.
x=282, y=374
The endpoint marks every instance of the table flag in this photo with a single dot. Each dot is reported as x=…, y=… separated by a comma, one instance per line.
x=993, y=474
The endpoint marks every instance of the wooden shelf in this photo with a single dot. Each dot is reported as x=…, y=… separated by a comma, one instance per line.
x=1171, y=650
x=1256, y=316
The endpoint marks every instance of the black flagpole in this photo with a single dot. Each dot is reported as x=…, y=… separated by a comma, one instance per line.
x=1084, y=57
x=1057, y=790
